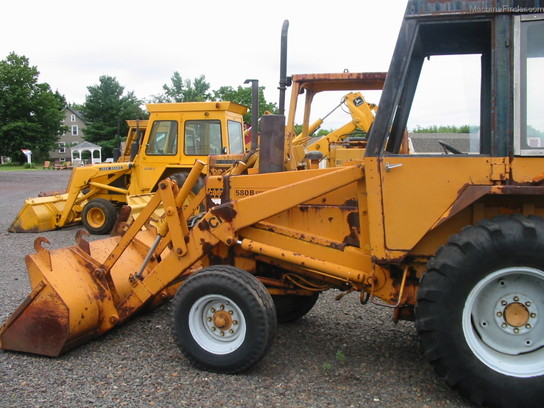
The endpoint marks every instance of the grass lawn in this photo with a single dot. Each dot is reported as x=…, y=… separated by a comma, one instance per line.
x=13, y=167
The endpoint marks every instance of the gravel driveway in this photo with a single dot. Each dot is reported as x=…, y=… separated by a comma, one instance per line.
x=341, y=354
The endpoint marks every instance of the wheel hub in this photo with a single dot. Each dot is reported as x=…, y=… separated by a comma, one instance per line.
x=516, y=314
x=221, y=321
x=95, y=217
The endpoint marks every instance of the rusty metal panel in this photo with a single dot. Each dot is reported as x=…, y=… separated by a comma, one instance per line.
x=434, y=7
x=345, y=81
x=422, y=7
x=272, y=142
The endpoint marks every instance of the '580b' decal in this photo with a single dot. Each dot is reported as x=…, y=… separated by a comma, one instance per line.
x=246, y=192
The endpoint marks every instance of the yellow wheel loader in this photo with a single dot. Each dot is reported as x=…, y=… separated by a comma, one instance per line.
x=453, y=239
x=176, y=134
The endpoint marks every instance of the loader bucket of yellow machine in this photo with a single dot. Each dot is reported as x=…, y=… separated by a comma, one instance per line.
x=72, y=300
x=41, y=214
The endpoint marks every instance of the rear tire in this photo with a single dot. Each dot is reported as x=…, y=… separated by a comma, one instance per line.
x=292, y=307
x=480, y=312
x=224, y=319
x=99, y=216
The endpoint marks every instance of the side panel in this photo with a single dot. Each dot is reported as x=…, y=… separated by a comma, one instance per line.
x=420, y=190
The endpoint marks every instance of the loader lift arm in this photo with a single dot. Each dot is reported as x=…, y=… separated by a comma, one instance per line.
x=112, y=279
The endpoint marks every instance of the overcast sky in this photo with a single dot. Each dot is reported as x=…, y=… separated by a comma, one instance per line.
x=73, y=43
x=142, y=43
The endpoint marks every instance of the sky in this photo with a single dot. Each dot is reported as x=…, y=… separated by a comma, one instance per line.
x=73, y=43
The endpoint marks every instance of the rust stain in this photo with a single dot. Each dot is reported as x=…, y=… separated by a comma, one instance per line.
x=41, y=328
x=204, y=225
x=225, y=211
x=353, y=238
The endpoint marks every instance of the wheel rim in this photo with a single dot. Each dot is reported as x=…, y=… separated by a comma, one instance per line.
x=502, y=321
x=217, y=324
x=96, y=217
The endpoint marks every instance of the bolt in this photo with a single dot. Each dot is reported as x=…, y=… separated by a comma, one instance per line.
x=516, y=298
x=222, y=307
x=235, y=322
x=528, y=304
x=516, y=330
x=533, y=315
x=222, y=333
x=209, y=319
x=212, y=310
x=213, y=328
x=231, y=312
x=504, y=303
x=527, y=326
x=504, y=325
x=231, y=331
x=499, y=314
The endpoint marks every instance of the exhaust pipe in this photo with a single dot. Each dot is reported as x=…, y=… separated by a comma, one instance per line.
x=285, y=81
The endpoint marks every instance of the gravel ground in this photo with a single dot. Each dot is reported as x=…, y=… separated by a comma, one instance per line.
x=341, y=354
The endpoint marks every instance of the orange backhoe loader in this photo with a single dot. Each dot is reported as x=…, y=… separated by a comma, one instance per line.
x=451, y=240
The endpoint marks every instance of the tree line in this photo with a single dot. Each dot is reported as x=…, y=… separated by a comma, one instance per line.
x=31, y=113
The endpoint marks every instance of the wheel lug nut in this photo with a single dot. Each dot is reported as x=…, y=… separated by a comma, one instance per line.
x=212, y=310
x=516, y=298
x=499, y=314
x=504, y=303
x=235, y=322
x=231, y=312
x=533, y=315
x=504, y=325
x=516, y=330
x=527, y=326
x=231, y=331
x=209, y=319
x=222, y=333
x=527, y=304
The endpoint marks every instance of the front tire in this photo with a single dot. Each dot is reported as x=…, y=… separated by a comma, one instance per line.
x=224, y=319
x=99, y=216
x=480, y=312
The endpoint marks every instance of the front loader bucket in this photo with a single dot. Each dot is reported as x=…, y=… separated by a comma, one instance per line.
x=71, y=301
x=41, y=214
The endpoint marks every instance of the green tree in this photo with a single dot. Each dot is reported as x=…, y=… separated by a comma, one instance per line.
x=30, y=112
x=106, y=109
x=242, y=95
x=182, y=90
x=442, y=129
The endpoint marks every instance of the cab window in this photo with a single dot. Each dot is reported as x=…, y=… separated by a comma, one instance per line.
x=203, y=137
x=236, y=141
x=163, y=140
x=441, y=112
x=530, y=135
